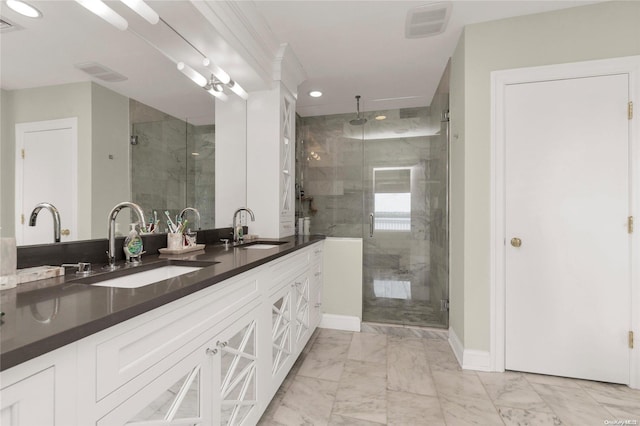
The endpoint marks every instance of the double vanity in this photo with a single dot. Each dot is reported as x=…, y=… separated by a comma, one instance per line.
x=204, y=337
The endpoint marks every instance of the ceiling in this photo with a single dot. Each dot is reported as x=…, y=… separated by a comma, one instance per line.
x=346, y=48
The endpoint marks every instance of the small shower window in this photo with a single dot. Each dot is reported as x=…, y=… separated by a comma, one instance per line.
x=392, y=199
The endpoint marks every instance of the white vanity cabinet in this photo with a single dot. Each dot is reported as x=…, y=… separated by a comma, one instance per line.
x=215, y=357
x=40, y=391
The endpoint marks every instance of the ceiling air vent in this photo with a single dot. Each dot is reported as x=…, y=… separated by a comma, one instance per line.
x=100, y=71
x=6, y=25
x=428, y=20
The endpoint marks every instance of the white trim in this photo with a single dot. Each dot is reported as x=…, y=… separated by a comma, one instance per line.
x=340, y=322
x=469, y=359
x=39, y=126
x=499, y=80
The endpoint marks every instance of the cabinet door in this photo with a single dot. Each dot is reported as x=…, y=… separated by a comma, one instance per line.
x=281, y=332
x=180, y=396
x=301, y=323
x=236, y=373
x=30, y=401
x=315, y=298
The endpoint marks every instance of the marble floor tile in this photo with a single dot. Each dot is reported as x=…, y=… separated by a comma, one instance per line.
x=407, y=368
x=362, y=392
x=573, y=406
x=308, y=401
x=327, y=333
x=543, y=379
x=511, y=389
x=337, y=420
x=620, y=400
x=410, y=409
x=465, y=410
x=459, y=384
x=402, y=331
x=368, y=347
x=325, y=369
x=519, y=417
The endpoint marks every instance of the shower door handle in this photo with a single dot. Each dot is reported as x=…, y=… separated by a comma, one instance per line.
x=371, y=225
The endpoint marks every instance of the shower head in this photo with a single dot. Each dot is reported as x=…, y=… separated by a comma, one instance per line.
x=359, y=121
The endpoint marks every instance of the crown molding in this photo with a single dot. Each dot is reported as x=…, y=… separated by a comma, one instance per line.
x=242, y=26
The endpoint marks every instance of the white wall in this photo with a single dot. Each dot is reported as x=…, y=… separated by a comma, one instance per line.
x=342, y=291
x=598, y=31
x=6, y=166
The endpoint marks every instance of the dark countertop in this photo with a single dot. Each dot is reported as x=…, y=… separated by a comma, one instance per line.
x=45, y=315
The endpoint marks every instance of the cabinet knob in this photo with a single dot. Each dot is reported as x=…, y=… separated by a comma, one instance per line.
x=65, y=232
x=222, y=344
x=516, y=242
x=318, y=305
x=317, y=274
x=211, y=352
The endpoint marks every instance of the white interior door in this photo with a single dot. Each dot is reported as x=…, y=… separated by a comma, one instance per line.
x=46, y=171
x=567, y=197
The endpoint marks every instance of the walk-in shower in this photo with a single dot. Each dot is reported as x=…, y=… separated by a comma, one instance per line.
x=385, y=181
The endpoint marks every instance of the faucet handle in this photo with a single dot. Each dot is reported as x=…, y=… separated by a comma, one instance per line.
x=84, y=268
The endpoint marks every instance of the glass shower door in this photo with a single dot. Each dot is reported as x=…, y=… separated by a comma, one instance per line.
x=402, y=191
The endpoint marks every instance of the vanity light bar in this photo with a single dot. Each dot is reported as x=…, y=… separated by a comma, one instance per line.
x=143, y=9
x=194, y=75
x=105, y=12
x=220, y=95
x=224, y=78
x=238, y=90
x=217, y=71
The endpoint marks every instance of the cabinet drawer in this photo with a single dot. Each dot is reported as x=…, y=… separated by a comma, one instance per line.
x=289, y=267
x=316, y=252
x=141, y=345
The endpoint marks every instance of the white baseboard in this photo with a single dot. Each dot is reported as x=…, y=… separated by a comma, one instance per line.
x=340, y=322
x=469, y=359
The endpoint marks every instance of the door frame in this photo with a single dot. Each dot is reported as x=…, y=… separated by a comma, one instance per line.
x=40, y=126
x=497, y=253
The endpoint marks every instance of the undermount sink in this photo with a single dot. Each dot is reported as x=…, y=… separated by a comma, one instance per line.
x=144, y=275
x=262, y=245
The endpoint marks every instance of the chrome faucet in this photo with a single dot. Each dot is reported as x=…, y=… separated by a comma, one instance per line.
x=235, y=215
x=56, y=218
x=111, y=254
x=184, y=211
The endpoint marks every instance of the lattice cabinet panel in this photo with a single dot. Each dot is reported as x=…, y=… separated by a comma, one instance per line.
x=238, y=363
x=281, y=330
x=302, y=307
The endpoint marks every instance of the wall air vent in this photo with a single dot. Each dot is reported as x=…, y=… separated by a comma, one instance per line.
x=97, y=70
x=428, y=20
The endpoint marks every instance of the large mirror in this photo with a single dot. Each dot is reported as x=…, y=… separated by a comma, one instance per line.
x=139, y=130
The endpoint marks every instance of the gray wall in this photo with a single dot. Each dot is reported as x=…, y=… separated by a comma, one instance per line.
x=103, y=125
x=598, y=31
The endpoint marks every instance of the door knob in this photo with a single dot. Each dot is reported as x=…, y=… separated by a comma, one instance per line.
x=516, y=242
x=65, y=232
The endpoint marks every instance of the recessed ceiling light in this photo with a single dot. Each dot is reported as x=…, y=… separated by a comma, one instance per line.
x=24, y=9
x=381, y=117
x=315, y=93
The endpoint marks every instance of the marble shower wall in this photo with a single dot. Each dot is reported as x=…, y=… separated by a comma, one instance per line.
x=336, y=170
x=165, y=175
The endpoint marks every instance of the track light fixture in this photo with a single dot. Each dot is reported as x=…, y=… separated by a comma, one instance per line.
x=99, y=8
x=216, y=88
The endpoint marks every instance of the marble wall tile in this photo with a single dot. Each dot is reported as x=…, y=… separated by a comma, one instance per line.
x=409, y=409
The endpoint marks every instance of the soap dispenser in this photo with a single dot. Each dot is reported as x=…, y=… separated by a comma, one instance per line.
x=133, y=245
